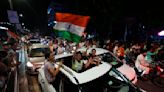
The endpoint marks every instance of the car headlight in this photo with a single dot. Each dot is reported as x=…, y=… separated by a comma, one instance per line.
x=74, y=48
x=65, y=53
x=29, y=64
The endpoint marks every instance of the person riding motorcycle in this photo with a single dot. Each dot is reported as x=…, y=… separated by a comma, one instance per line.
x=141, y=64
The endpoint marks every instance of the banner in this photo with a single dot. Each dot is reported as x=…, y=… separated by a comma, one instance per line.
x=13, y=16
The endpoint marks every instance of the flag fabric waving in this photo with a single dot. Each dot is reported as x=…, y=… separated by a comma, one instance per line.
x=70, y=26
x=12, y=35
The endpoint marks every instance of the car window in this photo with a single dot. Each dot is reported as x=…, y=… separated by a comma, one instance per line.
x=34, y=41
x=108, y=57
x=67, y=86
x=38, y=52
x=67, y=61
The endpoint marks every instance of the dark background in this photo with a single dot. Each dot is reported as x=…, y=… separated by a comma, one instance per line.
x=106, y=15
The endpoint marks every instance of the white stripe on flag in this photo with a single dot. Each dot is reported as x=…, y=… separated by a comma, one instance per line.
x=65, y=26
x=78, y=30
x=62, y=26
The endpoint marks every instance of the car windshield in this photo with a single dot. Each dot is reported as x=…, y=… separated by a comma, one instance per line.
x=34, y=41
x=108, y=57
x=38, y=52
x=112, y=81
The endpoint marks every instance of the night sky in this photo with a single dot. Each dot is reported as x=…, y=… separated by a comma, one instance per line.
x=149, y=12
x=34, y=12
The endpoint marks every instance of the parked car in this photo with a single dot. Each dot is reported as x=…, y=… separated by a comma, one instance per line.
x=36, y=58
x=107, y=56
x=32, y=42
x=101, y=78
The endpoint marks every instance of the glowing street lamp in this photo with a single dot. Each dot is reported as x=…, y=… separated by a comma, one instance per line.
x=161, y=33
x=22, y=24
x=21, y=15
x=5, y=28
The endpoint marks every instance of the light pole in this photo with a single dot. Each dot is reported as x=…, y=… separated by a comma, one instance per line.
x=11, y=4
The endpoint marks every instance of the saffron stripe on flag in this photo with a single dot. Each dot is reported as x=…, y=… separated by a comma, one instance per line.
x=72, y=18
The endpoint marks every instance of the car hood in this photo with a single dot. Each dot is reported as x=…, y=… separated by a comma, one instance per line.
x=87, y=75
x=37, y=60
x=127, y=71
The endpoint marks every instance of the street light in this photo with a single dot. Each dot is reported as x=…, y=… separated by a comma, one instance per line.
x=22, y=24
x=5, y=28
x=21, y=15
x=11, y=4
x=161, y=33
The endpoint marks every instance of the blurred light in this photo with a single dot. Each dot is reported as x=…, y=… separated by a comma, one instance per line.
x=21, y=15
x=29, y=64
x=22, y=24
x=5, y=28
x=161, y=33
x=49, y=10
x=8, y=23
x=55, y=22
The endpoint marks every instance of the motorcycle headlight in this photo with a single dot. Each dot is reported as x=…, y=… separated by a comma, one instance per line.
x=29, y=64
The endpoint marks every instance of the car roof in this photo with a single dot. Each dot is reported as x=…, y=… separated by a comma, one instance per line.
x=59, y=56
x=88, y=75
x=98, y=52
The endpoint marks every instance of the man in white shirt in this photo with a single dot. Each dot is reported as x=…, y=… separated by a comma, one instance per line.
x=141, y=64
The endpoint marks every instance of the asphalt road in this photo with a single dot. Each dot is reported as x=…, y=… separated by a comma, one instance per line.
x=149, y=86
x=27, y=83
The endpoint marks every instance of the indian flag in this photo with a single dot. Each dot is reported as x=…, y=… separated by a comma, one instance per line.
x=70, y=26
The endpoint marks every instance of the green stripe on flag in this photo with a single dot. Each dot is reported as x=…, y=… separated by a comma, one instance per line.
x=67, y=35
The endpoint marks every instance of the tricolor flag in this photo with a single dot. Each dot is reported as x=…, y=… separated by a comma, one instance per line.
x=70, y=26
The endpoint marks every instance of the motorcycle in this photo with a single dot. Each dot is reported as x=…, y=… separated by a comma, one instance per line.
x=156, y=75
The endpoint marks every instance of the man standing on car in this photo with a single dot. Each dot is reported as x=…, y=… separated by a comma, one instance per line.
x=50, y=69
x=78, y=62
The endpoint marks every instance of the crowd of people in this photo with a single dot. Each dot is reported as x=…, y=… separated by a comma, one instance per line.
x=8, y=59
x=138, y=54
x=135, y=54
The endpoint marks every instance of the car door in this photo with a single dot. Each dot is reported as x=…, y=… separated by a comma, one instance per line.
x=65, y=85
x=42, y=81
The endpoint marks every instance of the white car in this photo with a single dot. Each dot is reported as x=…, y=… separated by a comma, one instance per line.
x=36, y=58
x=107, y=56
x=101, y=78
x=34, y=41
